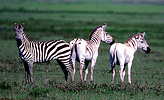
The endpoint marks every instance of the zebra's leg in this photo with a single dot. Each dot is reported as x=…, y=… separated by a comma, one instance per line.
x=63, y=67
x=74, y=70
x=129, y=72
x=26, y=71
x=86, y=71
x=72, y=60
x=81, y=67
x=121, y=72
x=73, y=74
x=92, y=68
x=113, y=74
x=112, y=67
x=30, y=64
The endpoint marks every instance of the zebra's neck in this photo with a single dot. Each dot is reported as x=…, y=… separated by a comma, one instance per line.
x=95, y=39
x=24, y=40
x=132, y=42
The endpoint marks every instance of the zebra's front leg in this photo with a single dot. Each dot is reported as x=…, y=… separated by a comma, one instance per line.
x=30, y=71
x=26, y=77
x=26, y=71
x=92, y=68
x=129, y=72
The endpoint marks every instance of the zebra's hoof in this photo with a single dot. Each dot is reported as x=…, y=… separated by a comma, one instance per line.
x=84, y=81
x=73, y=82
x=92, y=82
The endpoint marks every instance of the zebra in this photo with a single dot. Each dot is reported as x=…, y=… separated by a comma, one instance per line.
x=87, y=51
x=123, y=54
x=31, y=52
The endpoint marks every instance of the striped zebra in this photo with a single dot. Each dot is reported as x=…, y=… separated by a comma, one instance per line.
x=31, y=52
x=87, y=51
x=123, y=54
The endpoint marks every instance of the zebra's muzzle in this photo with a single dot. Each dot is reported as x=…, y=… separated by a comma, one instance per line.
x=148, y=50
x=112, y=42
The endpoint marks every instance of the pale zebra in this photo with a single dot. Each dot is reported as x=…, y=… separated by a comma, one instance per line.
x=123, y=54
x=87, y=51
x=31, y=52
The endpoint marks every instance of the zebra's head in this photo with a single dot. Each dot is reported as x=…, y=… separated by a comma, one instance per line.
x=100, y=34
x=141, y=42
x=105, y=36
x=19, y=30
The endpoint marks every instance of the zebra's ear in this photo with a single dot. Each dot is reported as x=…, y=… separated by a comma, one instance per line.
x=143, y=34
x=138, y=34
x=104, y=26
x=15, y=25
x=23, y=25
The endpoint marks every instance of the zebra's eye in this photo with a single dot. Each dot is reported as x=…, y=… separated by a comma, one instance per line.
x=141, y=41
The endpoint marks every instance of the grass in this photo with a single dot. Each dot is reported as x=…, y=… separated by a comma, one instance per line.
x=47, y=21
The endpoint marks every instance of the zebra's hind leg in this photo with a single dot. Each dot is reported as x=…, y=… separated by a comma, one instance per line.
x=81, y=68
x=63, y=67
x=86, y=71
x=74, y=70
x=121, y=72
x=113, y=74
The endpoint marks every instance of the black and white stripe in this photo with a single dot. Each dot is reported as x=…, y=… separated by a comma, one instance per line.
x=31, y=52
x=87, y=51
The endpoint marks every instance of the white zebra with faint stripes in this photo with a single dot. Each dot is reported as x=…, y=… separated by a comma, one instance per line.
x=123, y=54
x=31, y=52
x=87, y=51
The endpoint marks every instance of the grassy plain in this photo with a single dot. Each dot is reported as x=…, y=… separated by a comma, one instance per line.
x=50, y=20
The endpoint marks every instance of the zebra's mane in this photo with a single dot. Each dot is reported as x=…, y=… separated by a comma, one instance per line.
x=130, y=38
x=134, y=36
x=130, y=41
x=25, y=35
x=93, y=31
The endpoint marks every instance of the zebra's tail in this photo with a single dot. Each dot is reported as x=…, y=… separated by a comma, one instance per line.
x=73, y=50
x=113, y=58
x=72, y=44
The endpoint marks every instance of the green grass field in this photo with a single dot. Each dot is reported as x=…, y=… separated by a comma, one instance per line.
x=69, y=20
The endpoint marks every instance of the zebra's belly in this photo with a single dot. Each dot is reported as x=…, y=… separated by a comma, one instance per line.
x=88, y=55
x=127, y=60
x=128, y=57
x=42, y=60
x=88, y=58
